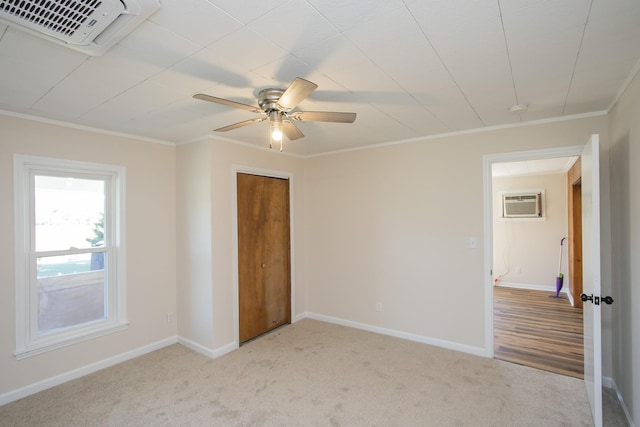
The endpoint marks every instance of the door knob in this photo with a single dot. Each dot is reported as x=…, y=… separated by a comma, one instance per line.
x=596, y=299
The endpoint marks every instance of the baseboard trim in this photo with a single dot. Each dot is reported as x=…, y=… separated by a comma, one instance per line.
x=477, y=351
x=549, y=288
x=611, y=383
x=25, y=391
x=206, y=351
x=300, y=316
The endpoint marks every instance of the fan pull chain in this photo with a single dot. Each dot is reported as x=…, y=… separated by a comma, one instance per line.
x=281, y=145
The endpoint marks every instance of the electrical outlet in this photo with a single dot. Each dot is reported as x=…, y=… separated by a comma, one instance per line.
x=518, y=270
x=379, y=307
x=170, y=317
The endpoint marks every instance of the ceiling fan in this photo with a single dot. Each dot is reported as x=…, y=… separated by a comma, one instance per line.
x=277, y=105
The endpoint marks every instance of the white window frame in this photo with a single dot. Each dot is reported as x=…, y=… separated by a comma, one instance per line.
x=28, y=342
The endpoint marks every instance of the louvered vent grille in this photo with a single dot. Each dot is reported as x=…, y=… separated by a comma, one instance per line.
x=72, y=21
x=62, y=17
x=89, y=26
x=522, y=205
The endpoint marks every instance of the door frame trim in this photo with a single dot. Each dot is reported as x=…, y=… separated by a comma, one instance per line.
x=270, y=173
x=487, y=162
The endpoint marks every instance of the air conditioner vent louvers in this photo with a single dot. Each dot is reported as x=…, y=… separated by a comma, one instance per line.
x=64, y=18
x=72, y=21
x=522, y=205
x=78, y=24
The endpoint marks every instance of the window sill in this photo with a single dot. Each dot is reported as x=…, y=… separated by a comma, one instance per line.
x=39, y=348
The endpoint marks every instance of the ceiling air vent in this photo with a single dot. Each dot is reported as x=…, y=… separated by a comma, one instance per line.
x=89, y=26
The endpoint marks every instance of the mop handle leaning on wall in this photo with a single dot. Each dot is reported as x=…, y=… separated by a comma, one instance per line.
x=560, y=261
x=560, y=277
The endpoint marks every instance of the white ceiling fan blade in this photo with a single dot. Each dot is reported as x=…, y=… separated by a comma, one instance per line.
x=298, y=90
x=209, y=98
x=239, y=124
x=323, y=116
x=291, y=131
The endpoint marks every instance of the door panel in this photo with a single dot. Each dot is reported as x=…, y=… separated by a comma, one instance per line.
x=277, y=252
x=250, y=272
x=591, y=275
x=263, y=254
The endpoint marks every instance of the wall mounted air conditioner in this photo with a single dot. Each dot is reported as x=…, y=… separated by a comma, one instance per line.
x=89, y=26
x=523, y=205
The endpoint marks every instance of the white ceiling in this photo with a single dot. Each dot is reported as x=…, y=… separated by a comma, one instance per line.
x=408, y=68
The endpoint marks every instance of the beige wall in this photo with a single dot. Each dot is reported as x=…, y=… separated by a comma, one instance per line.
x=195, y=293
x=150, y=237
x=625, y=202
x=215, y=161
x=391, y=225
x=525, y=251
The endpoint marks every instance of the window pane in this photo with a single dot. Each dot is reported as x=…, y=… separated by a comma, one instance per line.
x=69, y=212
x=71, y=290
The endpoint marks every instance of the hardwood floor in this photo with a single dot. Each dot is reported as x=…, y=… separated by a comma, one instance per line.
x=532, y=329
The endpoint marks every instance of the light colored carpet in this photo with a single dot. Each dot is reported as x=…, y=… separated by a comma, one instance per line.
x=310, y=373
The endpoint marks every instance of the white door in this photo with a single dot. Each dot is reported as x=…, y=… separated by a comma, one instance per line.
x=591, y=275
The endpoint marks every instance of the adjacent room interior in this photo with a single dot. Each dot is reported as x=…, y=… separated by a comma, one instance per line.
x=537, y=321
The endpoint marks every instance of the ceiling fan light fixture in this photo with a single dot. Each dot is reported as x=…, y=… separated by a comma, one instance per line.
x=276, y=132
x=275, y=128
x=277, y=105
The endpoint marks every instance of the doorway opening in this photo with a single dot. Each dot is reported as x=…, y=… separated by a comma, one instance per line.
x=532, y=321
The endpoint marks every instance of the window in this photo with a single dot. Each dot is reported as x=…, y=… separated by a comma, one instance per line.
x=69, y=252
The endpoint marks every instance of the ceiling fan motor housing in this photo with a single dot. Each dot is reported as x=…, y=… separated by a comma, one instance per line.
x=268, y=100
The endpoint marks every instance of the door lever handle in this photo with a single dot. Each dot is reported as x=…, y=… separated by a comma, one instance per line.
x=596, y=299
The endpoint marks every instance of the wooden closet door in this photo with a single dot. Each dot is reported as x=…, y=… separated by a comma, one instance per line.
x=264, y=278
